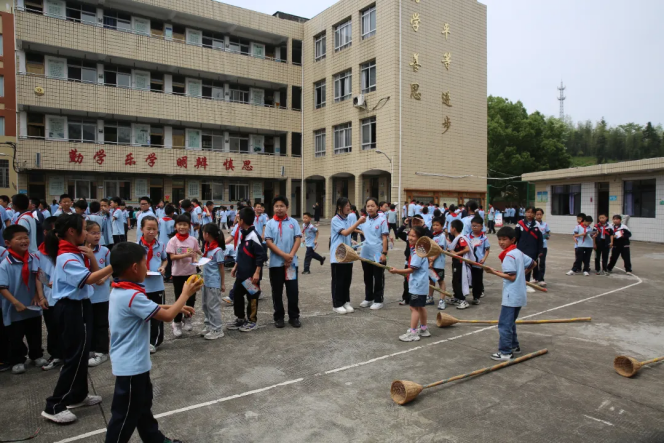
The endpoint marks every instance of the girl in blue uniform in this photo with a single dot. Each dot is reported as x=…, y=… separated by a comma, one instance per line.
x=100, y=296
x=374, y=248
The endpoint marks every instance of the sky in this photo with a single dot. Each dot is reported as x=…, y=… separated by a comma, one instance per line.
x=607, y=53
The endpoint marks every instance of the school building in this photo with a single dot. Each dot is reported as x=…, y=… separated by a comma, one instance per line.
x=197, y=98
x=634, y=189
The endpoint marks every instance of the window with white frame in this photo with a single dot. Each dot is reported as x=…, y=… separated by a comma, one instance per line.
x=369, y=22
x=118, y=188
x=2, y=85
x=640, y=198
x=368, y=72
x=343, y=86
x=369, y=133
x=343, y=35
x=239, y=143
x=237, y=192
x=319, y=143
x=2, y=126
x=343, y=138
x=81, y=189
x=320, y=93
x=82, y=130
x=212, y=191
x=320, y=45
x=4, y=173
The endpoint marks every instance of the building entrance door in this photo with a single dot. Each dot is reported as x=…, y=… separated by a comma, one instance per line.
x=602, y=199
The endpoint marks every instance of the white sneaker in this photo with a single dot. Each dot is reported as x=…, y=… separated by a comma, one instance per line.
x=213, y=335
x=153, y=349
x=63, y=417
x=463, y=304
x=18, y=369
x=410, y=336
x=529, y=290
x=423, y=332
x=340, y=310
x=376, y=306
x=501, y=357
x=586, y=274
x=41, y=361
x=570, y=273
x=349, y=309
x=441, y=305
x=90, y=400
x=365, y=304
x=97, y=359
x=52, y=363
x=177, y=330
x=204, y=331
x=187, y=324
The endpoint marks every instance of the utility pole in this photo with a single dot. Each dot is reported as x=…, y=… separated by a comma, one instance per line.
x=562, y=98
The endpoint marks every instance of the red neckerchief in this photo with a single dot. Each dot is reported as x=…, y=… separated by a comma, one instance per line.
x=236, y=237
x=28, y=213
x=277, y=218
x=167, y=219
x=453, y=214
x=210, y=246
x=436, y=234
x=42, y=249
x=602, y=229
x=128, y=285
x=150, y=251
x=196, y=205
x=527, y=229
x=25, y=271
x=181, y=237
x=585, y=230
x=502, y=255
x=64, y=247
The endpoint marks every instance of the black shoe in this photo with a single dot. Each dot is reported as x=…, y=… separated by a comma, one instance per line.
x=279, y=323
x=306, y=272
x=323, y=261
x=294, y=322
x=236, y=325
x=5, y=367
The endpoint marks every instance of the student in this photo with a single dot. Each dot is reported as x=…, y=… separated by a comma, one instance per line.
x=375, y=249
x=155, y=251
x=80, y=207
x=583, y=237
x=248, y=266
x=129, y=312
x=480, y=212
x=529, y=238
x=437, y=264
x=22, y=300
x=75, y=272
x=46, y=277
x=65, y=206
x=260, y=222
x=392, y=220
x=402, y=233
x=107, y=226
x=146, y=209
x=310, y=233
x=224, y=218
x=24, y=218
x=543, y=226
x=481, y=248
x=491, y=218
x=126, y=217
x=411, y=209
x=214, y=276
x=417, y=274
x=99, y=298
x=451, y=216
x=353, y=216
x=166, y=232
x=118, y=221
x=159, y=210
x=515, y=265
x=231, y=215
x=427, y=216
x=342, y=273
x=603, y=240
x=468, y=220
x=461, y=272
x=54, y=207
x=183, y=250
x=579, y=221
x=97, y=217
x=620, y=245
x=42, y=207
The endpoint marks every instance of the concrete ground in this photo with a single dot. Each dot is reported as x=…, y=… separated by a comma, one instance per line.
x=330, y=380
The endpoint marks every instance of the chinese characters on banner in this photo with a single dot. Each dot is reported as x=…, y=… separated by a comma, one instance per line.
x=129, y=160
x=75, y=156
x=201, y=162
x=182, y=162
x=151, y=159
x=99, y=156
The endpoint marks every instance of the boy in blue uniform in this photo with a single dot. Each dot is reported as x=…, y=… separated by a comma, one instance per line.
x=166, y=232
x=283, y=237
x=481, y=249
x=146, y=209
x=529, y=239
x=516, y=265
x=129, y=313
x=437, y=264
x=374, y=248
x=583, y=238
x=22, y=300
x=215, y=284
x=154, y=282
x=310, y=233
x=99, y=298
x=107, y=226
x=603, y=240
x=118, y=221
x=25, y=218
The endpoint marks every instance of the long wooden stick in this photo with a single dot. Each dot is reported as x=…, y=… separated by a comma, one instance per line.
x=441, y=291
x=647, y=362
x=371, y=262
x=474, y=263
x=531, y=322
x=489, y=369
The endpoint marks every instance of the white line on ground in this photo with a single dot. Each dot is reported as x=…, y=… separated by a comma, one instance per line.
x=597, y=419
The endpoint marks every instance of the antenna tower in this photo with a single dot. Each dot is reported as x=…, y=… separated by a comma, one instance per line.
x=561, y=99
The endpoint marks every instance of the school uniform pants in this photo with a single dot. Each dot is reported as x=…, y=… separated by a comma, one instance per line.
x=478, y=282
x=52, y=333
x=492, y=227
x=239, y=294
x=100, y=328
x=178, y=284
x=583, y=259
x=457, y=275
x=601, y=254
x=392, y=227
x=156, y=326
x=311, y=254
x=278, y=281
x=212, y=308
x=374, y=283
x=406, y=293
x=4, y=342
x=342, y=276
x=626, y=256
x=119, y=239
x=507, y=329
x=540, y=270
x=132, y=409
x=169, y=266
x=75, y=320
x=31, y=330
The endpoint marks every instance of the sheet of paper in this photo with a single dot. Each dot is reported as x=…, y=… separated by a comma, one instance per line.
x=154, y=273
x=202, y=262
x=33, y=308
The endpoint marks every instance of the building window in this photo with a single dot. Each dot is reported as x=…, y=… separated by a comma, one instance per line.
x=117, y=133
x=343, y=35
x=2, y=51
x=640, y=198
x=239, y=143
x=82, y=71
x=369, y=22
x=82, y=13
x=319, y=143
x=2, y=85
x=238, y=192
x=4, y=173
x=319, y=96
x=36, y=126
x=117, y=188
x=117, y=20
x=213, y=191
x=369, y=133
x=2, y=126
x=320, y=45
x=343, y=86
x=566, y=200
x=82, y=130
x=118, y=76
x=343, y=138
x=368, y=72
x=213, y=141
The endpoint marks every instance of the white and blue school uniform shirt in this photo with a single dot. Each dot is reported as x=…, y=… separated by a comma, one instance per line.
x=449, y=219
x=259, y=223
x=46, y=276
x=140, y=216
x=339, y=223
x=283, y=234
x=231, y=249
x=374, y=230
x=107, y=229
x=160, y=212
x=101, y=292
x=441, y=240
x=70, y=276
x=154, y=283
x=118, y=221
x=211, y=272
x=54, y=208
x=12, y=279
x=166, y=229
x=3, y=252
x=129, y=314
x=586, y=241
x=428, y=219
x=411, y=209
x=207, y=217
x=46, y=213
x=12, y=215
x=59, y=212
x=479, y=246
x=309, y=232
x=546, y=232
x=99, y=219
x=224, y=217
x=418, y=281
x=352, y=218
x=28, y=222
x=3, y=219
x=515, y=262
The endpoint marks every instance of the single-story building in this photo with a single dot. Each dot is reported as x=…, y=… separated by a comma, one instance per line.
x=634, y=189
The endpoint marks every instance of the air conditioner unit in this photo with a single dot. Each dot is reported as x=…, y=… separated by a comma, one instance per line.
x=358, y=101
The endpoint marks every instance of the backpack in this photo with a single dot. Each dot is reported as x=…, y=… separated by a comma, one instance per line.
x=39, y=222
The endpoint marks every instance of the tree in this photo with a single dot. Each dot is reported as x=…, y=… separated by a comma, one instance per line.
x=601, y=145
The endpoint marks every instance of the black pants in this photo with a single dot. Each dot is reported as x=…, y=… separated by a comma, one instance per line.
x=625, y=253
x=492, y=227
x=99, y=341
x=392, y=227
x=311, y=254
x=156, y=326
x=119, y=239
x=239, y=293
x=583, y=259
x=169, y=267
x=374, y=283
x=540, y=270
x=4, y=339
x=478, y=282
x=131, y=409
x=457, y=275
x=75, y=320
x=31, y=330
x=406, y=293
x=52, y=333
x=278, y=281
x=178, y=284
x=342, y=276
x=601, y=254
